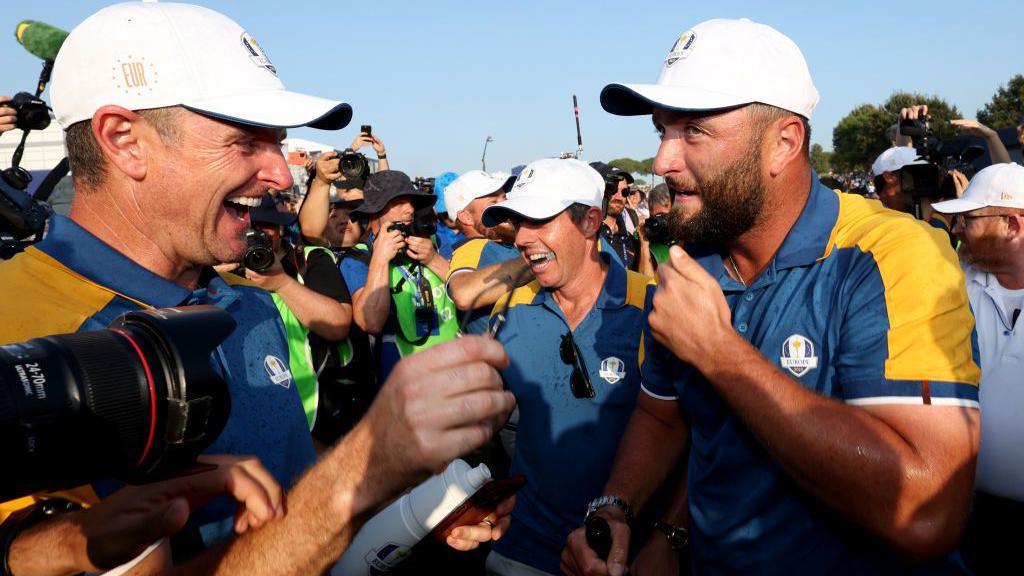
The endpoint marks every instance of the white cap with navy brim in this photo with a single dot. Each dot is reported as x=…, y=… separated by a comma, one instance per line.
x=547, y=187
x=999, y=185
x=144, y=55
x=721, y=64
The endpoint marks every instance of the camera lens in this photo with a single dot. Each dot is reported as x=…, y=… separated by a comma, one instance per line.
x=259, y=251
x=135, y=401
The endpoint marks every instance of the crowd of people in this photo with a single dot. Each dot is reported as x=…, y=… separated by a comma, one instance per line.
x=743, y=370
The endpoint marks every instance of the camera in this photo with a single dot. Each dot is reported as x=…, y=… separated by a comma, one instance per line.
x=136, y=401
x=259, y=250
x=656, y=229
x=353, y=165
x=932, y=180
x=32, y=112
x=423, y=225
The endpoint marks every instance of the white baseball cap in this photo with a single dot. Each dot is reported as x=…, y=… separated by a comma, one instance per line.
x=547, y=187
x=470, y=186
x=720, y=64
x=895, y=158
x=142, y=55
x=997, y=185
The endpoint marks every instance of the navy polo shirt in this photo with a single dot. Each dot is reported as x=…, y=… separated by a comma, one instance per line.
x=72, y=281
x=565, y=446
x=472, y=254
x=861, y=304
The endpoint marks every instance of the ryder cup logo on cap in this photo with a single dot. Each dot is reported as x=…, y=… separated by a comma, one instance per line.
x=999, y=185
x=144, y=55
x=547, y=187
x=721, y=64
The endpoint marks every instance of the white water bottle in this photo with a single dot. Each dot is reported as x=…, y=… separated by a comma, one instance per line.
x=387, y=538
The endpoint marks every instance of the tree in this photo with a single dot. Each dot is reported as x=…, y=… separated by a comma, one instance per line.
x=821, y=160
x=632, y=166
x=860, y=136
x=1006, y=106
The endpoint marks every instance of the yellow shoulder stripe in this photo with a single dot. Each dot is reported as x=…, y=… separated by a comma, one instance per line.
x=521, y=295
x=636, y=288
x=468, y=255
x=930, y=321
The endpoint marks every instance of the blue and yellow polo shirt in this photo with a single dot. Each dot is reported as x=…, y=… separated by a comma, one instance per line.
x=473, y=254
x=565, y=446
x=72, y=281
x=861, y=304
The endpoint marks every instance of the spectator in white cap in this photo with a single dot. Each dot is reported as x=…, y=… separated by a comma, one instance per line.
x=809, y=352
x=485, y=263
x=174, y=118
x=573, y=340
x=990, y=222
x=887, y=171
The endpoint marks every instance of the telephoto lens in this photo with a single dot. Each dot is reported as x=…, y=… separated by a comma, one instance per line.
x=136, y=401
x=259, y=251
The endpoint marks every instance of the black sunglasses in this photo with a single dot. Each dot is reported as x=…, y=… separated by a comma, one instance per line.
x=580, y=379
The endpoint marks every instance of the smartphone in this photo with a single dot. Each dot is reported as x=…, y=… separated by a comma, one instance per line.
x=478, y=506
x=365, y=128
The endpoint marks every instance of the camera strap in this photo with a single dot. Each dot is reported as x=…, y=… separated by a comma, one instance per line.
x=423, y=296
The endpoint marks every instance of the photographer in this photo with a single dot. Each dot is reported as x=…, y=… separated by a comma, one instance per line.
x=996, y=151
x=163, y=188
x=8, y=116
x=396, y=284
x=619, y=229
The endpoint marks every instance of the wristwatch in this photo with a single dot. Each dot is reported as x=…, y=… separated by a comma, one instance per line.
x=677, y=536
x=602, y=501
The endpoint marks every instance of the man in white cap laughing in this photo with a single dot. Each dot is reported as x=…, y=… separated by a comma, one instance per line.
x=174, y=118
x=809, y=352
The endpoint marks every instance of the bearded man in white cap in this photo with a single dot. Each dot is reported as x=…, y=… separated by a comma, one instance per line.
x=990, y=223
x=810, y=351
x=174, y=118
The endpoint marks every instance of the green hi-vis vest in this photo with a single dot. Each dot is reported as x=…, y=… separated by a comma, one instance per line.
x=439, y=324
x=660, y=252
x=300, y=358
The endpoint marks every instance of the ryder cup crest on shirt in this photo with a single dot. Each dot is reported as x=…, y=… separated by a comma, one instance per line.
x=278, y=371
x=798, y=355
x=612, y=369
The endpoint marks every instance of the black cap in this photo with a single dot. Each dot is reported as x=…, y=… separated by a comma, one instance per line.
x=605, y=171
x=267, y=213
x=383, y=187
x=346, y=204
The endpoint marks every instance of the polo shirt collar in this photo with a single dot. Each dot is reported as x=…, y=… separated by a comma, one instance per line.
x=808, y=240
x=76, y=248
x=613, y=291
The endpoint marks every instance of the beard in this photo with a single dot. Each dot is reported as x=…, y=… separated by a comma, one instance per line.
x=504, y=233
x=732, y=200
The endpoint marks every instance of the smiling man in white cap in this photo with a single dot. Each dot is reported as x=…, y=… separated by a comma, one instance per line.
x=811, y=349
x=990, y=222
x=174, y=118
x=573, y=338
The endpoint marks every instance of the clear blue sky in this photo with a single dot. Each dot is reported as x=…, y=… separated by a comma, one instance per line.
x=435, y=78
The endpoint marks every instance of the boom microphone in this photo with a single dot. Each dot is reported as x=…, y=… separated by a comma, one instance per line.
x=41, y=40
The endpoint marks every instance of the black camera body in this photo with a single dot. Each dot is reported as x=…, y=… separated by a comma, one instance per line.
x=423, y=225
x=32, y=113
x=932, y=180
x=353, y=165
x=656, y=229
x=259, y=251
x=137, y=401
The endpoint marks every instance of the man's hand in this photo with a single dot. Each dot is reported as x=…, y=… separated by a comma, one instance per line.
x=363, y=140
x=433, y=408
x=420, y=249
x=8, y=117
x=973, y=127
x=960, y=182
x=914, y=112
x=328, y=167
x=689, y=315
x=579, y=559
x=120, y=527
x=491, y=528
x=271, y=279
x=388, y=243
